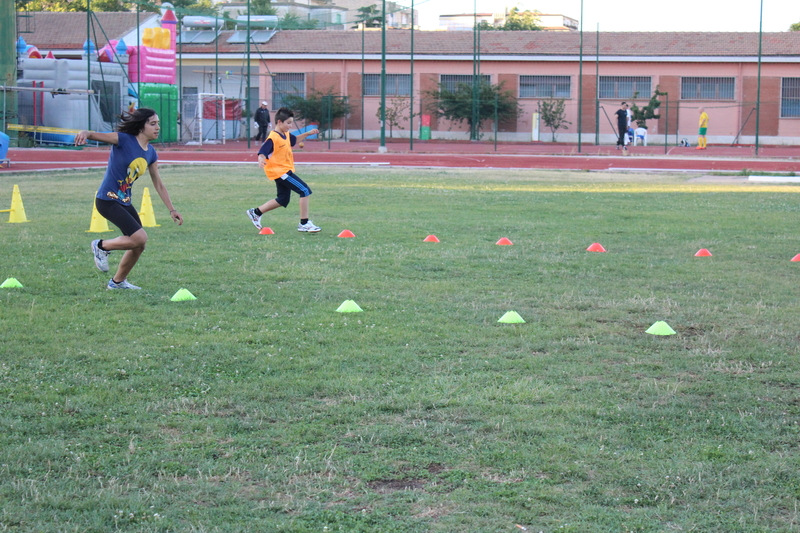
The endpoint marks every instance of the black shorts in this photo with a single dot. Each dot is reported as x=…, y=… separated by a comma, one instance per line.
x=286, y=186
x=124, y=217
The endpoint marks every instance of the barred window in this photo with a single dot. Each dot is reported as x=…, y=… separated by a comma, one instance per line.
x=450, y=82
x=287, y=84
x=790, y=97
x=697, y=88
x=624, y=87
x=396, y=84
x=544, y=86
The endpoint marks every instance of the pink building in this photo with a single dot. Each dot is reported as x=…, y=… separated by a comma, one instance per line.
x=717, y=71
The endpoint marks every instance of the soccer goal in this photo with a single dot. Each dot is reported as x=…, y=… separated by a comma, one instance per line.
x=205, y=119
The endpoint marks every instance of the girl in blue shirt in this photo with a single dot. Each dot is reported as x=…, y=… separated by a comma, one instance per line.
x=131, y=154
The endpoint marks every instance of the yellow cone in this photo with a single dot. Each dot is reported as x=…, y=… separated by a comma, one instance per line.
x=99, y=224
x=146, y=212
x=17, y=211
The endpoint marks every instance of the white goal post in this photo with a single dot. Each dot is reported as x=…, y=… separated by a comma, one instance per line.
x=200, y=129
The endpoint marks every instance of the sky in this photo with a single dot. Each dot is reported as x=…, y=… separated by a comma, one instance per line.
x=671, y=15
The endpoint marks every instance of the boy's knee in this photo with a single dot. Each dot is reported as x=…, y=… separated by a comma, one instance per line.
x=139, y=238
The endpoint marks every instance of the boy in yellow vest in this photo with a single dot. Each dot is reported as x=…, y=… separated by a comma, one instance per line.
x=275, y=157
x=702, y=129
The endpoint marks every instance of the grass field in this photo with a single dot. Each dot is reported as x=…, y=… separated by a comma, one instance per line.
x=258, y=407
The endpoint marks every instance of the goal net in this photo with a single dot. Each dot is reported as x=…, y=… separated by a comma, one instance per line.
x=205, y=121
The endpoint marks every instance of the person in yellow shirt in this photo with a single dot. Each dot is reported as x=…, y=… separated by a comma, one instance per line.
x=701, y=132
x=276, y=159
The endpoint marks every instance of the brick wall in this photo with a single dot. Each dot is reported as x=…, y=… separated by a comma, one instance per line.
x=770, y=105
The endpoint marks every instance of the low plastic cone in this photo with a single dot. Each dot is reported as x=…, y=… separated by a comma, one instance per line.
x=511, y=317
x=795, y=258
x=183, y=295
x=596, y=247
x=349, y=306
x=431, y=238
x=11, y=283
x=346, y=234
x=702, y=252
x=660, y=328
x=99, y=224
x=504, y=242
x=266, y=231
x=17, y=211
x=146, y=212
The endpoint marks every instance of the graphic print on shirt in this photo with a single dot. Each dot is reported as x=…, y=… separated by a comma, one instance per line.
x=135, y=170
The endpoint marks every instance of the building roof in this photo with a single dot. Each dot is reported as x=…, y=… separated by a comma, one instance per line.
x=655, y=44
x=68, y=31
x=64, y=31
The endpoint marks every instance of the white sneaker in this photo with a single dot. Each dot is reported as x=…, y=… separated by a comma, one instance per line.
x=121, y=285
x=308, y=227
x=255, y=219
x=100, y=256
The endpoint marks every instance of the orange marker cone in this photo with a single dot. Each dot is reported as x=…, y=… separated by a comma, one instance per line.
x=596, y=247
x=266, y=231
x=796, y=258
x=703, y=253
x=504, y=242
x=431, y=238
x=346, y=234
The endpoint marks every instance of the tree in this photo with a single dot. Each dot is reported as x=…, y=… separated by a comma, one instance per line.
x=457, y=105
x=396, y=113
x=553, y=114
x=370, y=16
x=72, y=5
x=290, y=21
x=318, y=108
x=795, y=27
x=642, y=115
x=517, y=20
x=261, y=7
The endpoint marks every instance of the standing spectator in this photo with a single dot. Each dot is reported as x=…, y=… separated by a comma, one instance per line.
x=622, y=125
x=263, y=122
x=702, y=129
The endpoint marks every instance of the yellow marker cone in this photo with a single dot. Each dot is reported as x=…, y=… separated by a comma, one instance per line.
x=183, y=295
x=349, y=306
x=146, y=212
x=512, y=317
x=11, y=283
x=17, y=211
x=99, y=224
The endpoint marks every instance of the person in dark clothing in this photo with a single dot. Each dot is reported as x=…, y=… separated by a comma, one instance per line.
x=622, y=125
x=263, y=122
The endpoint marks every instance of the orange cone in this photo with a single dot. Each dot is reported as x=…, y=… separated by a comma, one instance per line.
x=266, y=231
x=703, y=253
x=431, y=238
x=596, y=247
x=504, y=242
x=796, y=258
x=346, y=234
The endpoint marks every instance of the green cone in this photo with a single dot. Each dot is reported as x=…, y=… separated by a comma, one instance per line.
x=660, y=328
x=512, y=317
x=183, y=295
x=349, y=306
x=11, y=283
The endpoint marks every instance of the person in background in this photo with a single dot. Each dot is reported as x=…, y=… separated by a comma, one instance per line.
x=262, y=120
x=702, y=129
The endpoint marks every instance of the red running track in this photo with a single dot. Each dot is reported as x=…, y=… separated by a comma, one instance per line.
x=452, y=156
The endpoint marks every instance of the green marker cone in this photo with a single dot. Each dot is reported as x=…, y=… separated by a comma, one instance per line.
x=11, y=283
x=349, y=306
x=512, y=317
x=660, y=328
x=183, y=295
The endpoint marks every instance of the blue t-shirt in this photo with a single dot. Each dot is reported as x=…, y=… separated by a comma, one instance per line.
x=126, y=163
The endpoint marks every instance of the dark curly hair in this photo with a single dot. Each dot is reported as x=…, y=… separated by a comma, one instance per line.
x=133, y=123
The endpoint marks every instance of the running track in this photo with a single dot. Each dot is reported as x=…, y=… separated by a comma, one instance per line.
x=38, y=159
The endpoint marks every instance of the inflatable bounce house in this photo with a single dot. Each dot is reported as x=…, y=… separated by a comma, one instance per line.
x=120, y=77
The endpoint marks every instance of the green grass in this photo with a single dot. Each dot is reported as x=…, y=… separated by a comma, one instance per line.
x=257, y=407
